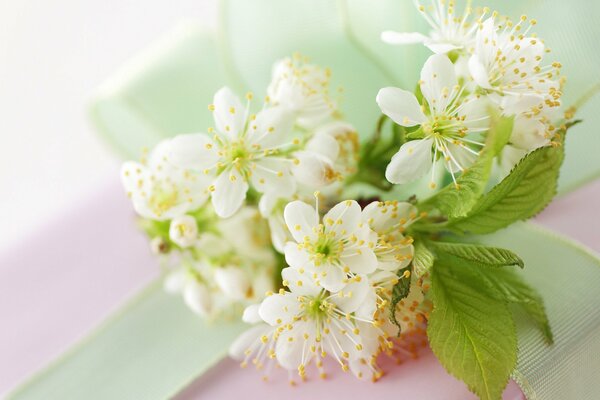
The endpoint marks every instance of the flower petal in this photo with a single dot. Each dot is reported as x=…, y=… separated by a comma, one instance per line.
x=344, y=216
x=300, y=219
x=271, y=127
x=361, y=261
x=251, y=315
x=401, y=106
x=197, y=298
x=279, y=309
x=229, y=194
x=247, y=340
x=438, y=80
x=393, y=37
x=353, y=295
x=295, y=257
x=228, y=113
x=479, y=72
x=330, y=277
x=192, y=151
x=411, y=162
x=300, y=282
x=440, y=48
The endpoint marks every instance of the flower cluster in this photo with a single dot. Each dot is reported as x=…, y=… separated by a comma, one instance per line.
x=371, y=268
x=341, y=271
x=481, y=66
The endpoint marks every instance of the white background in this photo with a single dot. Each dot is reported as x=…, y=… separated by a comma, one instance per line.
x=52, y=56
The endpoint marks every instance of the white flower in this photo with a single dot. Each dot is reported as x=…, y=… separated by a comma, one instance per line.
x=245, y=150
x=308, y=323
x=389, y=220
x=271, y=207
x=331, y=251
x=160, y=191
x=328, y=157
x=507, y=63
x=183, y=231
x=195, y=293
x=233, y=282
x=449, y=32
x=535, y=129
x=444, y=121
x=303, y=89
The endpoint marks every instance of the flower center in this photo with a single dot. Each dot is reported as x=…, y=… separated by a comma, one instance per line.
x=162, y=199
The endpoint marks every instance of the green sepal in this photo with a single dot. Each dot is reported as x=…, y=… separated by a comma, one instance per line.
x=399, y=292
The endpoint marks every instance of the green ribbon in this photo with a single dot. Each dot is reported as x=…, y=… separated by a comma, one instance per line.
x=157, y=346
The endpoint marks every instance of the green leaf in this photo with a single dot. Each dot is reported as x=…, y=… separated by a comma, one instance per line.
x=526, y=191
x=471, y=332
x=457, y=200
x=483, y=256
x=508, y=286
x=399, y=292
x=423, y=258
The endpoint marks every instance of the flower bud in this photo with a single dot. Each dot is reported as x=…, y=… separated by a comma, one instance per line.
x=197, y=298
x=313, y=169
x=233, y=282
x=183, y=231
x=159, y=246
x=251, y=315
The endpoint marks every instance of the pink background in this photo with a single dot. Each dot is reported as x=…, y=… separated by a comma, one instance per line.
x=64, y=279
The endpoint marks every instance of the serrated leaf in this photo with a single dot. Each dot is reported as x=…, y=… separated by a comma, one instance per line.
x=471, y=332
x=399, y=292
x=477, y=254
x=507, y=285
x=525, y=192
x=423, y=258
x=457, y=200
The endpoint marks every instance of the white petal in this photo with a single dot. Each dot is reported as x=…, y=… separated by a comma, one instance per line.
x=313, y=169
x=290, y=346
x=233, y=282
x=528, y=133
x=325, y=145
x=228, y=113
x=300, y=219
x=271, y=175
x=251, y=315
x=279, y=309
x=411, y=162
x=197, y=298
x=440, y=48
x=364, y=262
x=183, y=230
x=300, y=282
x=351, y=297
x=246, y=340
x=333, y=279
x=175, y=281
x=401, y=106
x=192, y=151
x=279, y=233
x=460, y=155
x=295, y=257
x=393, y=37
x=479, y=72
x=229, y=193
x=271, y=127
x=438, y=80
x=344, y=216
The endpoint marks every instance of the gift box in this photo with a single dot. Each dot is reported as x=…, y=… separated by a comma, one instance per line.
x=153, y=347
